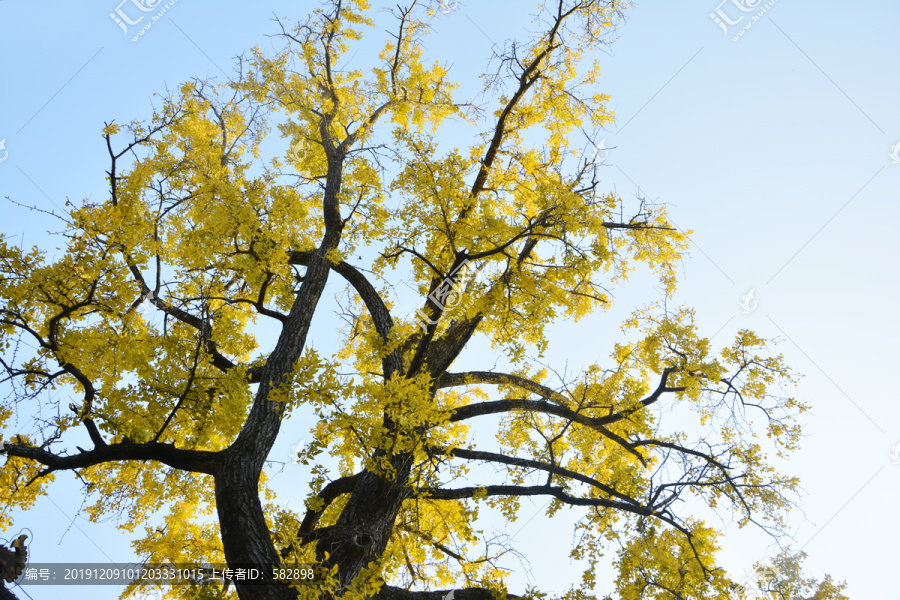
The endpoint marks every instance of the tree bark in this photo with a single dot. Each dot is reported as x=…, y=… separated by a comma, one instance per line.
x=245, y=535
x=364, y=527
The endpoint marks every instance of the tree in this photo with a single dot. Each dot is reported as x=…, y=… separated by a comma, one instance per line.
x=500, y=239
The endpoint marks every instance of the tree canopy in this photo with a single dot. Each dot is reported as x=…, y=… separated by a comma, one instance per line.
x=499, y=237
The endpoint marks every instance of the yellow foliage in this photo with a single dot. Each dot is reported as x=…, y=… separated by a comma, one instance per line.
x=152, y=314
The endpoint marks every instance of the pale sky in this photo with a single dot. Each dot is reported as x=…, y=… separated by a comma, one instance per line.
x=774, y=149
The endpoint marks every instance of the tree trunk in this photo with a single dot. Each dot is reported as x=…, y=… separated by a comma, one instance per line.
x=359, y=536
x=366, y=523
x=5, y=594
x=245, y=535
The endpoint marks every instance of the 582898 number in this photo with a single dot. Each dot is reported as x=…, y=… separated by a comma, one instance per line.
x=293, y=574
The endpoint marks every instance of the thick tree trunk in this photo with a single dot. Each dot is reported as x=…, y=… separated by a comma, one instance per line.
x=364, y=527
x=359, y=536
x=5, y=594
x=245, y=535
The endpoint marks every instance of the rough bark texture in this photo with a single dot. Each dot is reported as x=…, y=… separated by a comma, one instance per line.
x=364, y=528
x=242, y=523
x=5, y=594
x=245, y=534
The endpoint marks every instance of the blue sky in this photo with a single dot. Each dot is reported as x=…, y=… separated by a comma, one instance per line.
x=774, y=149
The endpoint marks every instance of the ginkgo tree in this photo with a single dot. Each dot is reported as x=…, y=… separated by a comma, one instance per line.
x=499, y=237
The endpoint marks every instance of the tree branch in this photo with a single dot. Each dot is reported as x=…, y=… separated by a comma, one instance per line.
x=533, y=464
x=522, y=490
x=197, y=461
x=381, y=316
x=328, y=494
x=500, y=406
